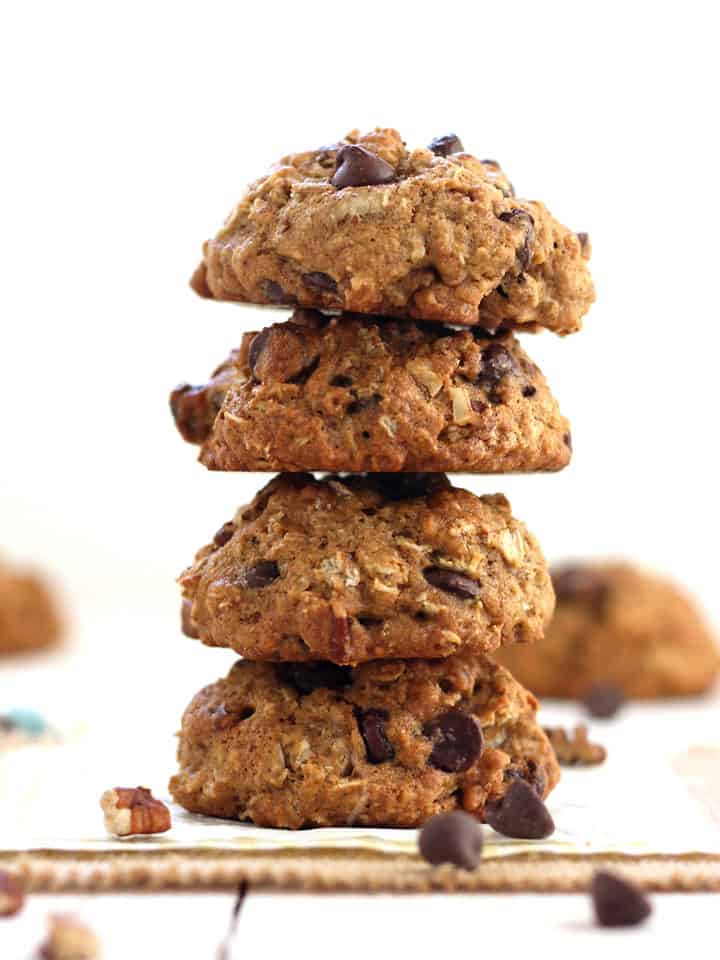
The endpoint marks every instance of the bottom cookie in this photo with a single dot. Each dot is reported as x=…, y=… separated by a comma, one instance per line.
x=387, y=743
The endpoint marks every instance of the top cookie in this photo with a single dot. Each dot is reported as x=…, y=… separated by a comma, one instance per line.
x=431, y=234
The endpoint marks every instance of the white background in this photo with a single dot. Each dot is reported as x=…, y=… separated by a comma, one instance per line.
x=130, y=130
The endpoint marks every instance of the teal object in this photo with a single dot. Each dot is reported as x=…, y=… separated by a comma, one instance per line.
x=28, y=721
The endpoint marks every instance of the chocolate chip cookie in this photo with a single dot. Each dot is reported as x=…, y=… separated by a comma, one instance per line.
x=360, y=568
x=431, y=234
x=29, y=618
x=354, y=393
x=389, y=743
x=619, y=626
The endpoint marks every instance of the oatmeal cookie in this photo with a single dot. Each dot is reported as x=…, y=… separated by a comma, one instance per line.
x=355, y=393
x=385, y=744
x=29, y=618
x=360, y=568
x=619, y=626
x=431, y=234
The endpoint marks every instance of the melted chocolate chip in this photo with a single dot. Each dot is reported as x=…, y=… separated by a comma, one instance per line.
x=320, y=674
x=453, y=837
x=497, y=363
x=259, y=575
x=358, y=167
x=408, y=486
x=224, y=534
x=186, y=622
x=446, y=144
x=194, y=410
x=617, y=902
x=524, y=252
x=603, y=700
x=320, y=281
x=274, y=293
x=341, y=381
x=303, y=375
x=457, y=741
x=520, y=813
x=372, y=727
x=452, y=582
x=257, y=345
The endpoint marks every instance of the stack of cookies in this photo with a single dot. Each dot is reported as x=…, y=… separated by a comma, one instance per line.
x=365, y=601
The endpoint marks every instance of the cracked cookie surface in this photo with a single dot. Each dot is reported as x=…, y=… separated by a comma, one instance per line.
x=299, y=745
x=619, y=626
x=354, y=393
x=361, y=568
x=431, y=234
x=29, y=618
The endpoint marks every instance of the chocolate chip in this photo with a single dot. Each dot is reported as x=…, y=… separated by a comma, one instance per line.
x=320, y=281
x=524, y=252
x=454, y=837
x=478, y=406
x=497, y=363
x=186, y=622
x=320, y=674
x=446, y=144
x=617, y=902
x=408, y=486
x=529, y=391
x=452, y=582
x=274, y=293
x=341, y=381
x=603, y=700
x=224, y=534
x=194, y=410
x=257, y=345
x=520, y=813
x=303, y=375
x=340, y=637
x=358, y=167
x=259, y=575
x=581, y=584
x=364, y=403
x=567, y=440
x=457, y=741
x=372, y=727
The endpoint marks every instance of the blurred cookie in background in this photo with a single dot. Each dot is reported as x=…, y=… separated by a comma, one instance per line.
x=621, y=627
x=29, y=616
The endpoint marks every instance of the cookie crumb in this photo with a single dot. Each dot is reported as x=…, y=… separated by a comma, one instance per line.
x=572, y=747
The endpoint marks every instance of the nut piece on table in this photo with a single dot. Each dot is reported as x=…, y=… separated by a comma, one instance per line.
x=572, y=747
x=12, y=895
x=134, y=810
x=69, y=939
